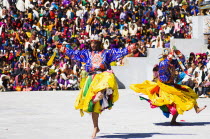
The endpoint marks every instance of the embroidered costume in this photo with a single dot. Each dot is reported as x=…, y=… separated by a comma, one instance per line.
x=170, y=97
x=100, y=77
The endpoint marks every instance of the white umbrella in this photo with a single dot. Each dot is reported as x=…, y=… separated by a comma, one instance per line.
x=36, y=13
x=20, y=5
x=6, y=4
x=0, y=13
x=27, y=4
x=1, y=29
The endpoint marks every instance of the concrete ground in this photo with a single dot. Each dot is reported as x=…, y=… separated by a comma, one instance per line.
x=51, y=115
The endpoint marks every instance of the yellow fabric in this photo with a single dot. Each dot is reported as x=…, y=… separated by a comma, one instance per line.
x=17, y=36
x=114, y=63
x=50, y=62
x=28, y=34
x=167, y=95
x=83, y=76
x=100, y=82
x=82, y=83
x=50, y=27
x=30, y=15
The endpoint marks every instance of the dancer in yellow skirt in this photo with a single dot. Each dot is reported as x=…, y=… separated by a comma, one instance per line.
x=164, y=93
x=100, y=89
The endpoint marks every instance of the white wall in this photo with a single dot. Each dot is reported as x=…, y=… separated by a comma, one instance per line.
x=137, y=69
x=190, y=45
x=197, y=27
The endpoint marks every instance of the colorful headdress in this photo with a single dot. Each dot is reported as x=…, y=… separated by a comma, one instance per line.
x=171, y=55
x=166, y=52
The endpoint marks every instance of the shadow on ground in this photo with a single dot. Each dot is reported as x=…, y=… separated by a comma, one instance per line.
x=184, y=124
x=135, y=135
x=120, y=84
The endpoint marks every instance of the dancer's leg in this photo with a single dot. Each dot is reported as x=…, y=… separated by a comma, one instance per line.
x=197, y=109
x=173, y=120
x=95, y=124
x=95, y=116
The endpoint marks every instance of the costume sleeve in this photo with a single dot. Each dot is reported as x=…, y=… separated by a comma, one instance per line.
x=79, y=55
x=116, y=53
x=164, y=74
x=176, y=62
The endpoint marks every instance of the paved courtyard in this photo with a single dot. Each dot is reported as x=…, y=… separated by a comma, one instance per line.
x=51, y=115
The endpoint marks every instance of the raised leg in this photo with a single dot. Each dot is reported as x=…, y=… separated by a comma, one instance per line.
x=197, y=109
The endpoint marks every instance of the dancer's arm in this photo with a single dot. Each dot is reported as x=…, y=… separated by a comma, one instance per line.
x=79, y=55
x=179, y=61
x=116, y=53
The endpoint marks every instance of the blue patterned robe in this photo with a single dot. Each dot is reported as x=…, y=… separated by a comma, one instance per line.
x=97, y=60
x=167, y=70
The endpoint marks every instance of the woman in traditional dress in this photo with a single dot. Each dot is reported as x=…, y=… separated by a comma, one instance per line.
x=170, y=97
x=100, y=89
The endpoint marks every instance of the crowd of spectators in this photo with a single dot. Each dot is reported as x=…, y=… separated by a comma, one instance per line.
x=198, y=73
x=35, y=33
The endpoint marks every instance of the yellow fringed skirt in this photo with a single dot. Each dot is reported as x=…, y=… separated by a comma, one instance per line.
x=94, y=84
x=161, y=94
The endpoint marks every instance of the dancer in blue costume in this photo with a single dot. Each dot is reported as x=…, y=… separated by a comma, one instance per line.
x=100, y=90
x=170, y=97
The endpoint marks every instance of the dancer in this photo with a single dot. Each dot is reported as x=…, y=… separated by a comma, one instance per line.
x=100, y=90
x=170, y=97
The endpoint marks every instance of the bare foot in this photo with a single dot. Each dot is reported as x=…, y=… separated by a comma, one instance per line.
x=95, y=131
x=175, y=124
x=200, y=109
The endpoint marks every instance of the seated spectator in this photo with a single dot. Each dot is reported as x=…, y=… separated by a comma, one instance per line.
x=74, y=84
x=53, y=82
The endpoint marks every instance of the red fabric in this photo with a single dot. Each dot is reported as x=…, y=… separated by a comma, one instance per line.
x=180, y=87
x=172, y=109
x=110, y=13
x=52, y=15
x=131, y=47
x=155, y=90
